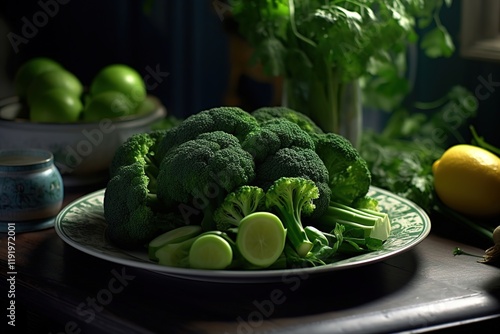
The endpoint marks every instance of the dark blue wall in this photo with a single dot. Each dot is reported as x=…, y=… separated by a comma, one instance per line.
x=435, y=77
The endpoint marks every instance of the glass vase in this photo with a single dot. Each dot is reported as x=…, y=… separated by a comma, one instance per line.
x=335, y=106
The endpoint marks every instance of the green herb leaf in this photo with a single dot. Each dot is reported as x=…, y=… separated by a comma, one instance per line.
x=437, y=43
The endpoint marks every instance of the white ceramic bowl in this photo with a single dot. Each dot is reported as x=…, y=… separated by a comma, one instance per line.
x=82, y=151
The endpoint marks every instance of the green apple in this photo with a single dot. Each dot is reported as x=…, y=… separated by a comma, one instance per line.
x=120, y=78
x=31, y=69
x=109, y=104
x=56, y=106
x=56, y=78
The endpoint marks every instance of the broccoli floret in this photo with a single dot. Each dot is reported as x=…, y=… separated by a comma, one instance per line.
x=139, y=147
x=304, y=122
x=349, y=176
x=274, y=134
x=232, y=120
x=366, y=202
x=132, y=212
x=237, y=205
x=296, y=162
x=202, y=171
x=291, y=198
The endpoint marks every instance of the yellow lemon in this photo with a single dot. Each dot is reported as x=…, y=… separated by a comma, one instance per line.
x=467, y=179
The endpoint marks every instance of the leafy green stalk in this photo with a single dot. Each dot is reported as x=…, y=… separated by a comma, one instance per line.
x=349, y=40
x=365, y=229
x=325, y=248
x=325, y=98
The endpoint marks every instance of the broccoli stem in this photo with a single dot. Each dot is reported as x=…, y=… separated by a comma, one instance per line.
x=291, y=197
x=295, y=233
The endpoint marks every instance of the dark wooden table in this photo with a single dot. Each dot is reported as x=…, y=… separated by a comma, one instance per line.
x=59, y=289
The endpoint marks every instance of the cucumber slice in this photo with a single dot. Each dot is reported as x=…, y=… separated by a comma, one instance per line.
x=210, y=251
x=175, y=254
x=261, y=238
x=174, y=236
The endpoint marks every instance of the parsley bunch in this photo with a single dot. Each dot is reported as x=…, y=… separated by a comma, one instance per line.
x=328, y=44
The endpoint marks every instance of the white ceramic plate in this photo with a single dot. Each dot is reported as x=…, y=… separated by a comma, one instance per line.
x=81, y=224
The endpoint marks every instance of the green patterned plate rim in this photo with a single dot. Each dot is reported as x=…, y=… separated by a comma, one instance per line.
x=81, y=225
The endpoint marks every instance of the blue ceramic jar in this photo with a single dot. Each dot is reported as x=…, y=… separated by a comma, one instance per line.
x=31, y=189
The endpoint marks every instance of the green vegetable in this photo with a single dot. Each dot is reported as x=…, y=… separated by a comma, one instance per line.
x=366, y=202
x=232, y=192
x=364, y=229
x=173, y=236
x=202, y=171
x=325, y=45
x=175, y=254
x=304, y=122
x=261, y=238
x=349, y=176
x=291, y=198
x=237, y=205
x=273, y=135
x=140, y=148
x=133, y=213
x=210, y=251
x=296, y=162
x=231, y=120
x=326, y=246
x=400, y=157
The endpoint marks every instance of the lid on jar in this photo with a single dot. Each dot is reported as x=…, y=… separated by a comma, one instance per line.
x=19, y=158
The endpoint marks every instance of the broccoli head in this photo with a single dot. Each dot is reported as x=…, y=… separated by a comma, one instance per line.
x=296, y=162
x=232, y=120
x=132, y=212
x=274, y=134
x=139, y=147
x=202, y=171
x=349, y=176
x=238, y=204
x=303, y=121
